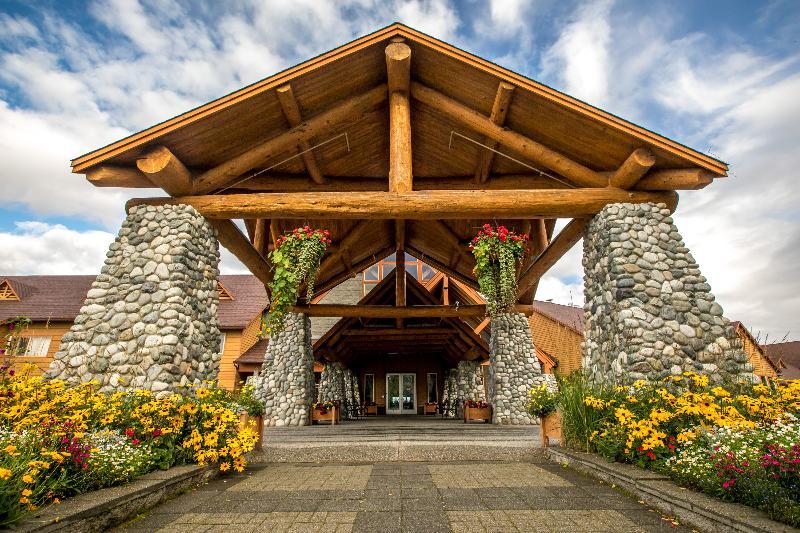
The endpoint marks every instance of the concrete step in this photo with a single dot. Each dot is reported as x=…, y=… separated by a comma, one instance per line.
x=400, y=439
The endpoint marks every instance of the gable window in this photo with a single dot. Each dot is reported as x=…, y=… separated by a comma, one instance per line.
x=414, y=268
x=7, y=291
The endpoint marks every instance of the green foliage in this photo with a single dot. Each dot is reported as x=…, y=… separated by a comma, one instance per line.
x=542, y=401
x=295, y=260
x=247, y=401
x=496, y=254
x=579, y=421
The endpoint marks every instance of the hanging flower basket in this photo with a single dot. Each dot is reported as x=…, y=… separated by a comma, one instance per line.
x=496, y=252
x=296, y=260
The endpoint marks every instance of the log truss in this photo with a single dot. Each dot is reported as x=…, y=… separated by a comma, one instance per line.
x=420, y=203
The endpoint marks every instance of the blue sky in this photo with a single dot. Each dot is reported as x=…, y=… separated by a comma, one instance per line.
x=720, y=76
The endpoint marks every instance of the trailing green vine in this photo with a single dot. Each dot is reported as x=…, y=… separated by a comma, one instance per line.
x=496, y=254
x=295, y=260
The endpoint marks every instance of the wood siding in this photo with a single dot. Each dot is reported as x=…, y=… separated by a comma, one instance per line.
x=54, y=330
x=557, y=340
x=755, y=354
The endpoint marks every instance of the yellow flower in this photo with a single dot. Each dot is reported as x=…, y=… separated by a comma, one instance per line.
x=202, y=393
x=224, y=467
x=27, y=478
x=27, y=492
x=24, y=500
x=5, y=473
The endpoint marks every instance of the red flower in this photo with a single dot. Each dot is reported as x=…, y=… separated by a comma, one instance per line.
x=135, y=442
x=129, y=432
x=156, y=432
x=651, y=455
x=503, y=237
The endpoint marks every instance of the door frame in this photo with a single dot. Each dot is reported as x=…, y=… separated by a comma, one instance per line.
x=402, y=411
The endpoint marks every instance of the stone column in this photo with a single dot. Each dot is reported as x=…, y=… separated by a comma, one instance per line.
x=150, y=319
x=515, y=369
x=331, y=385
x=469, y=385
x=649, y=311
x=347, y=385
x=449, y=391
x=286, y=381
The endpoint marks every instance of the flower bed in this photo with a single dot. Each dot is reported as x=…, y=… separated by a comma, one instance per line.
x=57, y=441
x=740, y=443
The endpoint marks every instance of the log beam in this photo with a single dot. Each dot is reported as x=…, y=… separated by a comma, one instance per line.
x=566, y=239
x=398, y=74
x=415, y=205
x=320, y=124
x=502, y=101
x=292, y=113
x=235, y=241
x=517, y=143
x=688, y=179
x=164, y=169
x=632, y=169
x=118, y=176
x=390, y=311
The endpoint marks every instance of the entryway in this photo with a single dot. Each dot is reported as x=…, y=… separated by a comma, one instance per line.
x=401, y=394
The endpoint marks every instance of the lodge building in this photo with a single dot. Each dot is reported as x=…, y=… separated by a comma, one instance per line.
x=401, y=146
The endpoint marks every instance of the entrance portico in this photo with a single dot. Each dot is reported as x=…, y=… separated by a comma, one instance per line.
x=398, y=143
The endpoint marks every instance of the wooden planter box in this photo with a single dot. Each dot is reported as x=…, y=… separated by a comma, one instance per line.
x=477, y=413
x=371, y=410
x=256, y=423
x=551, y=428
x=331, y=415
x=431, y=408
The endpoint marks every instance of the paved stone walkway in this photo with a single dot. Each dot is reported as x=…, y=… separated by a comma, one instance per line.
x=418, y=497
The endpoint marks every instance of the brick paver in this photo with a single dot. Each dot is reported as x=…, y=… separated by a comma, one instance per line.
x=386, y=497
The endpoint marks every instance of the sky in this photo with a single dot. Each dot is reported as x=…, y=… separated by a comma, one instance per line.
x=720, y=76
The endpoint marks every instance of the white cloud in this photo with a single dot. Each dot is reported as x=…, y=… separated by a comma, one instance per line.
x=580, y=56
x=40, y=248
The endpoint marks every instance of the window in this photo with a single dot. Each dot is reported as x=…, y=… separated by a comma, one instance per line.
x=7, y=292
x=221, y=342
x=369, y=387
x=34, y=346
x=414, y=268
x=223, y=293
x=433, y=389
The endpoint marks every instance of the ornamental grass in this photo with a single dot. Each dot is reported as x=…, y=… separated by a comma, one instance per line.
x=58, y=441
x=738, y=442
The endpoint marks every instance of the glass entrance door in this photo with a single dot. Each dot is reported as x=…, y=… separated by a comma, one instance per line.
x=401, y=394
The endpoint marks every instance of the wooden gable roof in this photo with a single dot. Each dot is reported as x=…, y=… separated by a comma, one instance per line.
x=214, y=132
x=311, y=146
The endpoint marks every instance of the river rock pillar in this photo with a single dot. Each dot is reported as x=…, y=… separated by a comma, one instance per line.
x=515, y=369
x=649, y=311
x=149, y=320
x=286, y=381
x=469, y=384
x=331, y=385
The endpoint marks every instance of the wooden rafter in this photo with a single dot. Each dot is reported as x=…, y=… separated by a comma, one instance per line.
x=235, y=241
x=390, y=311
x=438, y=265
x=414, y=205
x=632, y=169
x=260, y=236
x=7, y=292
x=161, y=167
x=528, y=148
x=292, y=113
x=502, y=101
x=565, y=240
x=400, y=266
x=320, y=124
x=329, y=283
x=398, y=74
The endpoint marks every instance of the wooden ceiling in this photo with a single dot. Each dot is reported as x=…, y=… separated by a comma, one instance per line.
x=452, y=339
x=359, y=118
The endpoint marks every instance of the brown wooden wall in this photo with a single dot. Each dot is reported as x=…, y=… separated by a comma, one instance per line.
x=421, y=365
x=561, y=342
x=54, y=330
x=761, y=366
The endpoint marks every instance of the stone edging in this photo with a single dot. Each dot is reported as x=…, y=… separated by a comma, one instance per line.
x=698, y=510
x=105, y=508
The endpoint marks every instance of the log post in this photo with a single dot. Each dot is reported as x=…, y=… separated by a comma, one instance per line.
x=260, y=236
x=398, y=73
x=400, y=266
